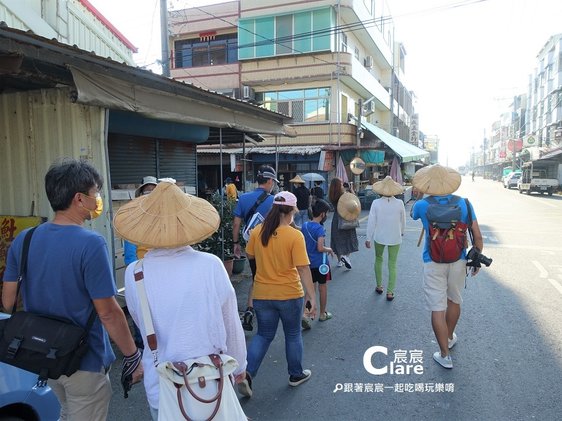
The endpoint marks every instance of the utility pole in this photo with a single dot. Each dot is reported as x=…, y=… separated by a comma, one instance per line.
x=164, y=38
x=359, y=131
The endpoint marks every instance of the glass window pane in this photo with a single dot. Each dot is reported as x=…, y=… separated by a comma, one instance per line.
x=284, y=33
x=311, y=111
x=311, y=93
x=303, y=26
x=217, y=55
x=321, y=24
x=246, y=38
x=264, y=37
x=291, y=94
x=323, y=92
x=200, y=55
x=270, y=96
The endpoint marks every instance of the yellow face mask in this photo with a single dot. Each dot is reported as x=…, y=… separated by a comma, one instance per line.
x=99, y=207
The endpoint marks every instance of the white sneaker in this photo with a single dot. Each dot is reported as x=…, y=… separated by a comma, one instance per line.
x=345, y=260
x=445, y=362
x=453, y=341
x=339, y=264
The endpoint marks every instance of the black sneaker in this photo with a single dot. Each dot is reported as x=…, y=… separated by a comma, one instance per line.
x=296, y=380
x=247, y=319
x=245, y=387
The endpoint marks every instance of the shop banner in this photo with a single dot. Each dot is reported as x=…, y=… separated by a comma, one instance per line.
x=10, y=227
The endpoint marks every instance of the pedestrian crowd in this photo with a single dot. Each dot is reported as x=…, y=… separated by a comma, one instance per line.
x=185, y=312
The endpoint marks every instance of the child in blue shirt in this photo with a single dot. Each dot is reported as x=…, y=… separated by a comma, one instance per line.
x=314, y=235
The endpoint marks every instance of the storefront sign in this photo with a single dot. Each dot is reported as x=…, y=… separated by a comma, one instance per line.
x=10, y=227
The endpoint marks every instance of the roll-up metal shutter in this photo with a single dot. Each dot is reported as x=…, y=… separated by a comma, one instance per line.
x=178, y=160
x=131, y=158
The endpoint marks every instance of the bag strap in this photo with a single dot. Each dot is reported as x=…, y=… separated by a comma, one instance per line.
x=469, y=220
x=23, y=264
x=23, y=274
x=308, y=232
x=145, y=310
x=252, y=210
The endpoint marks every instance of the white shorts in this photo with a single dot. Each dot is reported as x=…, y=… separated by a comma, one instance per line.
x=442, y=281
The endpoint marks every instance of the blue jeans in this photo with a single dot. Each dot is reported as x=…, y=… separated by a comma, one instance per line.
x=268, y=313
x=301, y=217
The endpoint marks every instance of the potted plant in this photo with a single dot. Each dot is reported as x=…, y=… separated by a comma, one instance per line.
x=220, y=243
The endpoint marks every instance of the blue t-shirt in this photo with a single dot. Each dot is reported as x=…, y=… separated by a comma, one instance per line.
x=246, y=202
x=68, y=266
x=312, y=231
x=419, y=211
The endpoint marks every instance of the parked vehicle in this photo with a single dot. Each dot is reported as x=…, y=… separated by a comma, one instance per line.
x=19, y=398
x=511, y=179
x=539, y=176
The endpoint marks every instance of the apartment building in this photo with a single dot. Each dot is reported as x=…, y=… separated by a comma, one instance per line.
x=544, y=111
x=333, y=66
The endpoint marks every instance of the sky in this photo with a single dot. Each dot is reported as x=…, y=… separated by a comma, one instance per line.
x=464, y=64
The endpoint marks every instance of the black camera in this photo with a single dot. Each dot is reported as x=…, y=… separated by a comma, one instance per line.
x=477, y=259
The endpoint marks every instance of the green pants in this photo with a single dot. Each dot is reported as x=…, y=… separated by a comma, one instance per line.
x=392, y=257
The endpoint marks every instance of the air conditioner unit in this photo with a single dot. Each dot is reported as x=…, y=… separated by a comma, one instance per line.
x=368, y=62
x=369, y=107
x=248, y=93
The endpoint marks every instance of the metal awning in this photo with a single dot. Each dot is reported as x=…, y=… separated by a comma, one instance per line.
x=551, y=154
x=406, y=151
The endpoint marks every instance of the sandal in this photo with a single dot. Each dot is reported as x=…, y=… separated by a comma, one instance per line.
x=379, y=290
x=390, y=296
x=325, y=316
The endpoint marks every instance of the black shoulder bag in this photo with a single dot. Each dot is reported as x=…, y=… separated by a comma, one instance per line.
x=252, y=210
x=49, y=346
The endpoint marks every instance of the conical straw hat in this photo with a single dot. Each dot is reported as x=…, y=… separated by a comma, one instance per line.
x=349, y=206
x=166, y=218
x=297, y=179
x=436, y=180
x=388, y=187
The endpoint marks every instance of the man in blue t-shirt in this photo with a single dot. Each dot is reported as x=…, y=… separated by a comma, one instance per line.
x=443, y=282
x=252, y=207
x=69, y=275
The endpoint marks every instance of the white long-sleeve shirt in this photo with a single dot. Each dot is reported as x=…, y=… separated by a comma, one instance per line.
x=387, y=220
x=193, y=306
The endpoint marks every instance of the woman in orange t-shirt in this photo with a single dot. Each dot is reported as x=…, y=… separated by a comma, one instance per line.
x=282, y=271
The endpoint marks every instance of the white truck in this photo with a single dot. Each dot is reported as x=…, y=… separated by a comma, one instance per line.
x=539, y=176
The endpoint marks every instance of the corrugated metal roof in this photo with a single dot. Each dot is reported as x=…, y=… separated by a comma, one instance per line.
x=266, y=150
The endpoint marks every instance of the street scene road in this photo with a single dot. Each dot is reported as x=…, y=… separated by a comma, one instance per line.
x=508, y=359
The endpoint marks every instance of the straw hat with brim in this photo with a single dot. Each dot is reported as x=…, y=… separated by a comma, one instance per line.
x=436, y=180
x=297, y=180
x=388, y=187
x=166, y=218
x=349, y=206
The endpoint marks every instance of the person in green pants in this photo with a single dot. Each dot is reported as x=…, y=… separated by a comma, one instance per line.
x=387, y=220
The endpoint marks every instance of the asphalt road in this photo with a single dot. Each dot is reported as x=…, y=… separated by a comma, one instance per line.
x=507, y=362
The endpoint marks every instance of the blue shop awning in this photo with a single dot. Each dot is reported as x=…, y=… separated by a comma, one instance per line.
x=406, y=151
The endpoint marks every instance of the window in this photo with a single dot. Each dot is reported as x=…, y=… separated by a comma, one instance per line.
x=303, y=105
x=356, y=53
x=196, y=53
x=296, y=33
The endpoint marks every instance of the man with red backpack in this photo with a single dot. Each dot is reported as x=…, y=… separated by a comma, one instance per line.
x=446, y=219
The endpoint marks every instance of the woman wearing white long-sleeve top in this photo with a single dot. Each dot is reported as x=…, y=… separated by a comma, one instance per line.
x=387, y=220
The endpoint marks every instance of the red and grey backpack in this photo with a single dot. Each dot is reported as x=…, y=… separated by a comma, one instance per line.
x=447, y=232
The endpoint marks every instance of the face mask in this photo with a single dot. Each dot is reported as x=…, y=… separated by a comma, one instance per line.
x=98, y=209
x=324, y=219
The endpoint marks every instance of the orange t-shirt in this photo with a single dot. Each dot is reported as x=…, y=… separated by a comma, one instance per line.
x=277, y=277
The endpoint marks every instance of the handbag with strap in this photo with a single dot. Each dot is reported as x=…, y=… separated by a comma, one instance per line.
x=49, y=346
x=344, y=224
x=199, y=388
